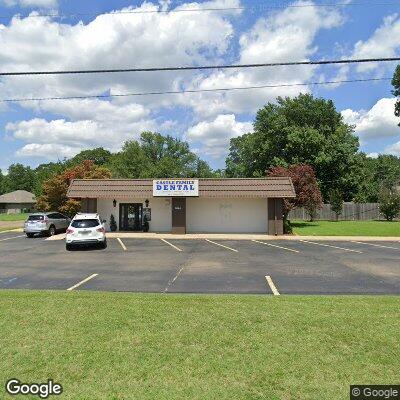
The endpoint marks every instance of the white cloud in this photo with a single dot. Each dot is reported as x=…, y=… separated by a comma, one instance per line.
x=384, y=42
x=212, y=138
x=377, y=122
x=287, y=35
x=30, y=3
x=393, y=149
x=113, y=41
x=94, y=123
x=48, y=151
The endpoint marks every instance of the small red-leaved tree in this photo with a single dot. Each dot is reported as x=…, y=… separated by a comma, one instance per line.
x=54, y=197
x=308, y=194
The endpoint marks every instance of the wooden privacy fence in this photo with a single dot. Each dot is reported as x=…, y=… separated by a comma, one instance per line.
x=350, y=212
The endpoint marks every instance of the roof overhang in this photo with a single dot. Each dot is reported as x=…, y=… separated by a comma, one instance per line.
x=276, y=187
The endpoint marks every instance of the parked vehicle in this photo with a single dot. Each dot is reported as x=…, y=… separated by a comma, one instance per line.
x=86, y=229
x=48, y=223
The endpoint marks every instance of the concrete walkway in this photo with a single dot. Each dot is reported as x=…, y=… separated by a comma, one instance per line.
x=237, y=236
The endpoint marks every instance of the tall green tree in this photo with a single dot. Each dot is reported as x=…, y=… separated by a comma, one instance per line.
x=19, y=177
x=43, y=172
x=158, y=156
x=396, y=90
x=301, y=130
x=375, y=174
x=99, y=156
x=2, y=182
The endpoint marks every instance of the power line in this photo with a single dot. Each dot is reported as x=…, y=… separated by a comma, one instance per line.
x=259, y=7
x=103, y=96
x=203, y=67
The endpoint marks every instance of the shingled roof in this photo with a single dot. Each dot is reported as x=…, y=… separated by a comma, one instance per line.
x=279, y=187
x=19, y=196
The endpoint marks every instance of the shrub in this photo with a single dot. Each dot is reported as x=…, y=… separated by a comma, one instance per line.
x=389, y=204
x=113, y=224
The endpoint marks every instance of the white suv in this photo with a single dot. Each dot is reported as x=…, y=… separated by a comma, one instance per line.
x=86, y=229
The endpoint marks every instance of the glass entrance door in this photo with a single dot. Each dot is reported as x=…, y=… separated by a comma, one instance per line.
x=131, y=217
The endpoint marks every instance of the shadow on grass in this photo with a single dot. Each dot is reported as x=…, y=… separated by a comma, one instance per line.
x=303, y=224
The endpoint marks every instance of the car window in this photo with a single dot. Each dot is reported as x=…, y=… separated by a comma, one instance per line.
x=36, y=218
x=59, y=216
x=52, y=216
x=85, y=223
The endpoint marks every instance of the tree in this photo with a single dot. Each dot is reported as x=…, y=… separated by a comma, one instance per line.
x=19, y=177
x=2, y=182
x=55, y=189
x=374, y=174
x=99, y=156
x=44, y=172
x=396, y=91
x=158, y=156
x=336, y=201
x=389, y=204
x=302, y=130
x=305, y=185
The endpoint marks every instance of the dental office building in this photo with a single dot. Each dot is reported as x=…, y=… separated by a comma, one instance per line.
x=187, y=205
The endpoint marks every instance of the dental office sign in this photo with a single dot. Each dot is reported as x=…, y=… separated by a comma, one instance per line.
x=176, y=188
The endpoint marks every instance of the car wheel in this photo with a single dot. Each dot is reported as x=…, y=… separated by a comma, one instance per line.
x=52, y=230
x=103, y=245
x=68, y=247
x=30, y=235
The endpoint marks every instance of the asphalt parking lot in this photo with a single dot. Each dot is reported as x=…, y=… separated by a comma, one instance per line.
x=201, y=266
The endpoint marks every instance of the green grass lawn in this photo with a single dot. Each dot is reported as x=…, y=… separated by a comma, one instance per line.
x=346, y=228
x=13, y=217
x=137, y=346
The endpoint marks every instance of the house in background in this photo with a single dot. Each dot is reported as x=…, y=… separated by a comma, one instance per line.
x=17, y=202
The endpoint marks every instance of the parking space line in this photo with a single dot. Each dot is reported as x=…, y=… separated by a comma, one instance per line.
x=121, y=243
x=82, y=282
x=15, y=237
x=172, y=245
x=272, y=285
x=171, y=281
x=219, y=244
x=333, y=247
x=274, y=245
x=376, y=245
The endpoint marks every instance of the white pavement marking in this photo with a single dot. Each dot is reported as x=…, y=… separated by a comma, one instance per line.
x=15, y=237
x=329, y=245
x=121, y=243
x=274, y=245
x=272, y=286
x=172, y=245
x=82, y=282
x=219, y=244
x=174, y=279
x=376, y=245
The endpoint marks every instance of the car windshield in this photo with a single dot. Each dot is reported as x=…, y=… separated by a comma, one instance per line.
x=85, y=223
x=36, y=218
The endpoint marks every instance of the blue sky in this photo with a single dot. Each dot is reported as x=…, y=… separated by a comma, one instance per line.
x=37, y=132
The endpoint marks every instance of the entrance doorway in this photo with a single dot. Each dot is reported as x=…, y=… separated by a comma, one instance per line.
x=131, y=217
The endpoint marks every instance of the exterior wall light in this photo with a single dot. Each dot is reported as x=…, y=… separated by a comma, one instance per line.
x=115, y=203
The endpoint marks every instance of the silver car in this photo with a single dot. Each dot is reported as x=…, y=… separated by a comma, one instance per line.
x=48, y=223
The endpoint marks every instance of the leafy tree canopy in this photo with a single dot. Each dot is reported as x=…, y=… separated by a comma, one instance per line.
x=305, y=185
x=301, y=130
x=19, y=177
x=158, y=156
x=99, y=156
x=55, y=189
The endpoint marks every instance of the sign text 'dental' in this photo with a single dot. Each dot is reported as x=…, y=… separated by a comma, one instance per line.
x=176, y=187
